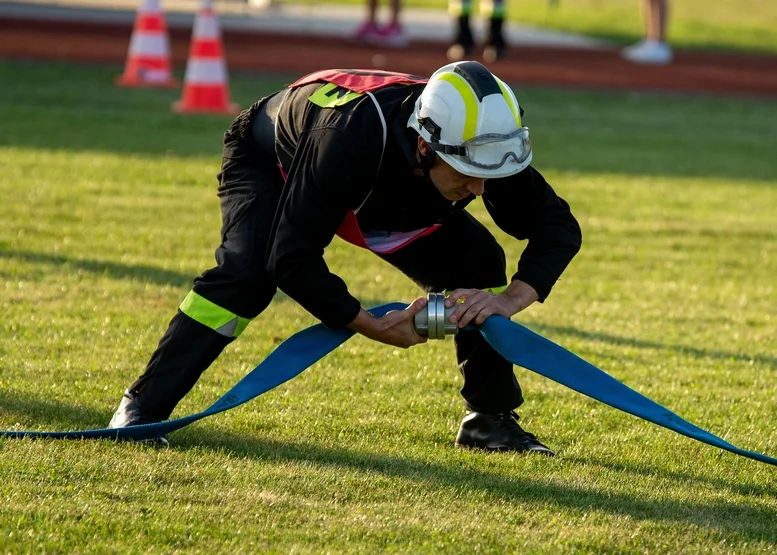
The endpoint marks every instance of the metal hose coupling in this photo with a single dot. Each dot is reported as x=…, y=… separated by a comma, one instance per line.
x=434, y=322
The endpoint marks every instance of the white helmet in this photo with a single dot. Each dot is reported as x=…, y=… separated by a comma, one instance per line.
x=472, y=119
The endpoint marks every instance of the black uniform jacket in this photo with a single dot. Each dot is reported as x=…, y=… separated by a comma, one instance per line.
x=335, y=162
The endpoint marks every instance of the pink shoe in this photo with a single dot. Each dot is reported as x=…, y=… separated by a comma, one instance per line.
x=366, y=32
x=391, y=36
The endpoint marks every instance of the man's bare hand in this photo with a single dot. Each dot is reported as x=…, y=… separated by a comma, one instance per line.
x=475, y=305
x=394, y=328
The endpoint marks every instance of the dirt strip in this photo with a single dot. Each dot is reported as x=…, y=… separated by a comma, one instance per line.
x=293, y=54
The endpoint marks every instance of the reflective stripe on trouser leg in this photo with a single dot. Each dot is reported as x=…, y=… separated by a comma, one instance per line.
x=494, y=9
x=212, y=315
x=459, y=8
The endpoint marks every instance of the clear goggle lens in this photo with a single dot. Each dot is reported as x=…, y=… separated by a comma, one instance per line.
x=519, y=153
x=519, y=156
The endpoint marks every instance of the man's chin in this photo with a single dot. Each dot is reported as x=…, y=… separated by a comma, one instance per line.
x=455, y=196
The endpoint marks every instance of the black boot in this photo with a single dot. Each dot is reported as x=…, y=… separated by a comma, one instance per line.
x=495, y=47
x=184, y=352
x=463, y=43
x=498, y=432
x=129, y=413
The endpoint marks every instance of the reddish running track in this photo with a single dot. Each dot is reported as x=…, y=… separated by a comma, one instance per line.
x=706, y=72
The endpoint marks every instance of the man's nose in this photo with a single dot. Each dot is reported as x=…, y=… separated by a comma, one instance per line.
x=476, y=186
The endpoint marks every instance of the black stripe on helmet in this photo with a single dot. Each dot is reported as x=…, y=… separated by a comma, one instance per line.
x=479, y=78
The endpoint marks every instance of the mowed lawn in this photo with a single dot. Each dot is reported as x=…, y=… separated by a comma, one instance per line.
x=109, y=210
x=749, y=25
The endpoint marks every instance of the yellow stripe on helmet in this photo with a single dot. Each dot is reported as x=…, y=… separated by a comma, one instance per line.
x=470, y=102
x=510, y=99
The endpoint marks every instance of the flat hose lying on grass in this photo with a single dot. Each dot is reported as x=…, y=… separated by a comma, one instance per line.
x=516, y=343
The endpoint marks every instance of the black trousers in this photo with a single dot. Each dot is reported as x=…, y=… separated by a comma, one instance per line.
x=462, y=253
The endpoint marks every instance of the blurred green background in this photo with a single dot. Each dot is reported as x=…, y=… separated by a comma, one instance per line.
x=708, y=24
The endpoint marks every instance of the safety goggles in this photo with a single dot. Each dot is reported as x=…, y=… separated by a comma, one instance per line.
x=518, y=139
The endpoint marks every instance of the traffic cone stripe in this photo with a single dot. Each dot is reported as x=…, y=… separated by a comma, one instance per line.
x=156, y=75
x=206, y=49
x=206, y=27
x=206, y=95
x=151, y=23
x=154, y=45
x=152, y=63
x=201, y=72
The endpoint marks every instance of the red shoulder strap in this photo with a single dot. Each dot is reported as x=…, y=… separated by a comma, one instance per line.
x=359, y=80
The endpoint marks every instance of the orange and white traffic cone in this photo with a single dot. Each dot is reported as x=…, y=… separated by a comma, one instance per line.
x=205, y=86
x=148, y=60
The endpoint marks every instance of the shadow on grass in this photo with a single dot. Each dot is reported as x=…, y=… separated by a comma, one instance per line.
x=737, y=518
x=50, y=415
x=645, y=470
x=115, y=270
x=151, y=274
x=764, y=359
x=140, y=272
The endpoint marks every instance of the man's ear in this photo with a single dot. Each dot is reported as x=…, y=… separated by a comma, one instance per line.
x=423, y=146
x=427, y=155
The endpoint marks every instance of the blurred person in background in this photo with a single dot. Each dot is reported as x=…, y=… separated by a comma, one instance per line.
x=371, y=32
x=463, y=42
x=388, y=162
x=653, y=49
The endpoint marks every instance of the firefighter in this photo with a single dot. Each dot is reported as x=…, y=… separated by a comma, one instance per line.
x=388, y=162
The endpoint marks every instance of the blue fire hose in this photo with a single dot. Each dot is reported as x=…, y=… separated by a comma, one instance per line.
x=516, y=343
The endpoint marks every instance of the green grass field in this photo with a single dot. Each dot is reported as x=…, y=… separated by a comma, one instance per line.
x=109, y=210
x=707, y=24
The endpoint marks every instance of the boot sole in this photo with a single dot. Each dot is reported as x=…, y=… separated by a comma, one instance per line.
x=503, y=449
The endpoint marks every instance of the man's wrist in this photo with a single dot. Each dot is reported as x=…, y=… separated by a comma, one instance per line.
x=365, y=324
x=521, y=293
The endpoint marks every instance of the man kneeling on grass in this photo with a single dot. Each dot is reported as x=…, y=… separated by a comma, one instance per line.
x=388, y=162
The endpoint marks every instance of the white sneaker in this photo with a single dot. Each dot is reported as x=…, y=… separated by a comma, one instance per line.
x=648, y=52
